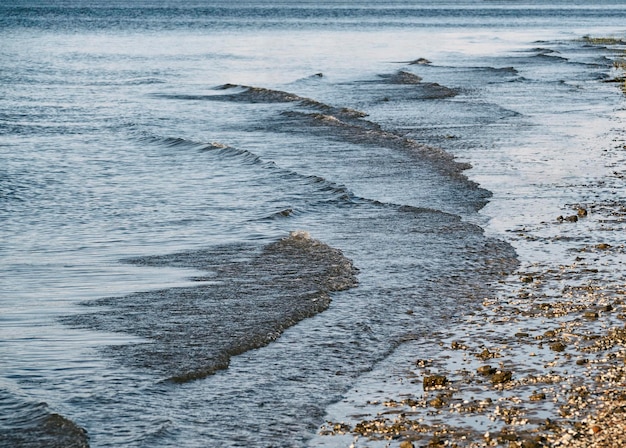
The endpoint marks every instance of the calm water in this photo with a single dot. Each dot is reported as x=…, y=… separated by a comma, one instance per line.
x=152, y=154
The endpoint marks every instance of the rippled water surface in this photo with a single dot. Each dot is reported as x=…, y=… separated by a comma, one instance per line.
x=215, y=218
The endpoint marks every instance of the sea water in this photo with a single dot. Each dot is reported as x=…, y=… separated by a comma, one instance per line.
x=215, y=217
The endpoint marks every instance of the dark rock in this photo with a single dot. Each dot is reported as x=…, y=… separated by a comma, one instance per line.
x=557, y=347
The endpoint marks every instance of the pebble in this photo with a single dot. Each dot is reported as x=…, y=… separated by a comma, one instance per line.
x=503, y=376
x=435, y=381
x=557, y=347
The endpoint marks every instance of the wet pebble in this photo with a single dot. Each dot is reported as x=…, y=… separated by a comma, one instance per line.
x=434, y=381
x=503, y=376
x=486, y=370
x=557, y=347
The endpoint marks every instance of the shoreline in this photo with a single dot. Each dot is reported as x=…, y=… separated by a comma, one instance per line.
x=542, y=362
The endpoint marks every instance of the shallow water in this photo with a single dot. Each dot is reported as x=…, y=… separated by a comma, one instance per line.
x=120, y=142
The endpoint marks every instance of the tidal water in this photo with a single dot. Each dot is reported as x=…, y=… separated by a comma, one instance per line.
x=216, y=217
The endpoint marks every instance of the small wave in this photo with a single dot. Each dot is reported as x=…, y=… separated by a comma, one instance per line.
x=314, y=77
x=284, y=213
x=322, y=191
x=552, y=57
x=253, y=95
x=370, y=135
x=176, y=142
x=499, y=70
x=425, y=90
x=219, y=149
x=435, y=91
x=420, y=61
x=402, y=77
x=259, y=94
x=25, y=423
x=142, y=81
x=254, y=296
x=130, y=82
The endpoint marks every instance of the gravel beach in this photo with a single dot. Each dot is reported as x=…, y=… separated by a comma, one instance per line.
x=541, y=363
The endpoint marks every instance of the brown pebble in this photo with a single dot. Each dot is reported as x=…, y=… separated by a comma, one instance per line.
x=486, y=370
x=436, y=441
x=502, y=377
x=538, y=396
x=531, y=444
x=507, y=437
x=407, y=444
x=596, y=429
x=591, y=315
x=436, y=402
x=582, y=362
x=486, y=354
x=603, y=246
x=557, y=347
x=435, y=381
x=457, y=345
x=582, y=212
x=526, y=279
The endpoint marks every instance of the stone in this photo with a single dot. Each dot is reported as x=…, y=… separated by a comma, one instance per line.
x=538, y=396
x=486, y=370
x=437, y=402
x=486, y=354
x=435, y=381
x=557, y=347
x=503, y=376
